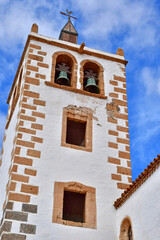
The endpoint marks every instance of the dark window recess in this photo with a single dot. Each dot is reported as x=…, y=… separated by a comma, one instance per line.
x=76, y=132
x=73, y=206
x=130, y=233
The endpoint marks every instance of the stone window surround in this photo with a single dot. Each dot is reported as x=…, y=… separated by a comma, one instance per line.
x=79, y=114
x=90, y=204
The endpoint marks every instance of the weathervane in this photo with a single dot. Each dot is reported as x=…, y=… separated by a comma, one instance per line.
x=69, y=14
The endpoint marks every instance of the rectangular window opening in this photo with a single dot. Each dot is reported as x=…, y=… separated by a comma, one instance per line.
x=74, y=206
x=76, y=132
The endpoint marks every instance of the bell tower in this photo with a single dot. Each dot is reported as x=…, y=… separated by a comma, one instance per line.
x=65, y=155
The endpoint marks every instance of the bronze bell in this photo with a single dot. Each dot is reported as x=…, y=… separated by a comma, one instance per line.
x=91, y=85
x=63, y=79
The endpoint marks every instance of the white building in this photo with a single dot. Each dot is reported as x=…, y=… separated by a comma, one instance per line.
x=65, y=159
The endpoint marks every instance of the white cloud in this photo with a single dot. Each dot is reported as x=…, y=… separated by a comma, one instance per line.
x=137, y=21
x=151, y=80
x=17, y=17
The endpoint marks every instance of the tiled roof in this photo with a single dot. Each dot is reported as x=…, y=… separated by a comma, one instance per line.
x=138, y=182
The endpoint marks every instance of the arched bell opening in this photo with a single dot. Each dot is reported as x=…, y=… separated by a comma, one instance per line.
x=91, y=77
x=126, y=232
x=64, y=70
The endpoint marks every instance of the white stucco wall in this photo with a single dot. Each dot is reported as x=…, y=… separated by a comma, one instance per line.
x=143, y=209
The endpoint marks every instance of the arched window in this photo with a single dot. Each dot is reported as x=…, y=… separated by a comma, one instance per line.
x=92, y=77
x=126, y=230
x=64, y=69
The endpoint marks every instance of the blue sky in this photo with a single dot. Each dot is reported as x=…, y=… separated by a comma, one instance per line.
x=104, y=25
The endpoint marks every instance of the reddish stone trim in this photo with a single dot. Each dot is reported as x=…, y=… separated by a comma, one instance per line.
x=33, y=153
x=112, y=120
x=31, y=94
x=23, y=160
x=29, y=189
x=28, y=106
x=114, y=160
x=19, y=178
x=116, y=177
x=19, y=197
x=38, y=114
x=39, y=102
x=42, y=53
x=113, y=133
x=35, y=46
x=37, y=126
x=32, y=68
x=33, y=81
x=125, y=155
x=44, y=65
x=35, y=57
x=121, y=79
x=113, y=95
x=113, y=145
x=41, y=76
x=113, y=83
x=30, y=172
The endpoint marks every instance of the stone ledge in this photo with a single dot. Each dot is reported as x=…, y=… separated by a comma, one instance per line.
x=67, y=88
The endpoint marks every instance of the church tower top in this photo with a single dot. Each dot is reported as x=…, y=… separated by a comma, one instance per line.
x=68, y=32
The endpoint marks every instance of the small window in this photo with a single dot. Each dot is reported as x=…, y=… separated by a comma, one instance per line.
x=77, y=128
x=74, y=206
x=76, y=132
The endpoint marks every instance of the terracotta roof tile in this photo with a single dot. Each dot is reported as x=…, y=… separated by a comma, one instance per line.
x=138, y=182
